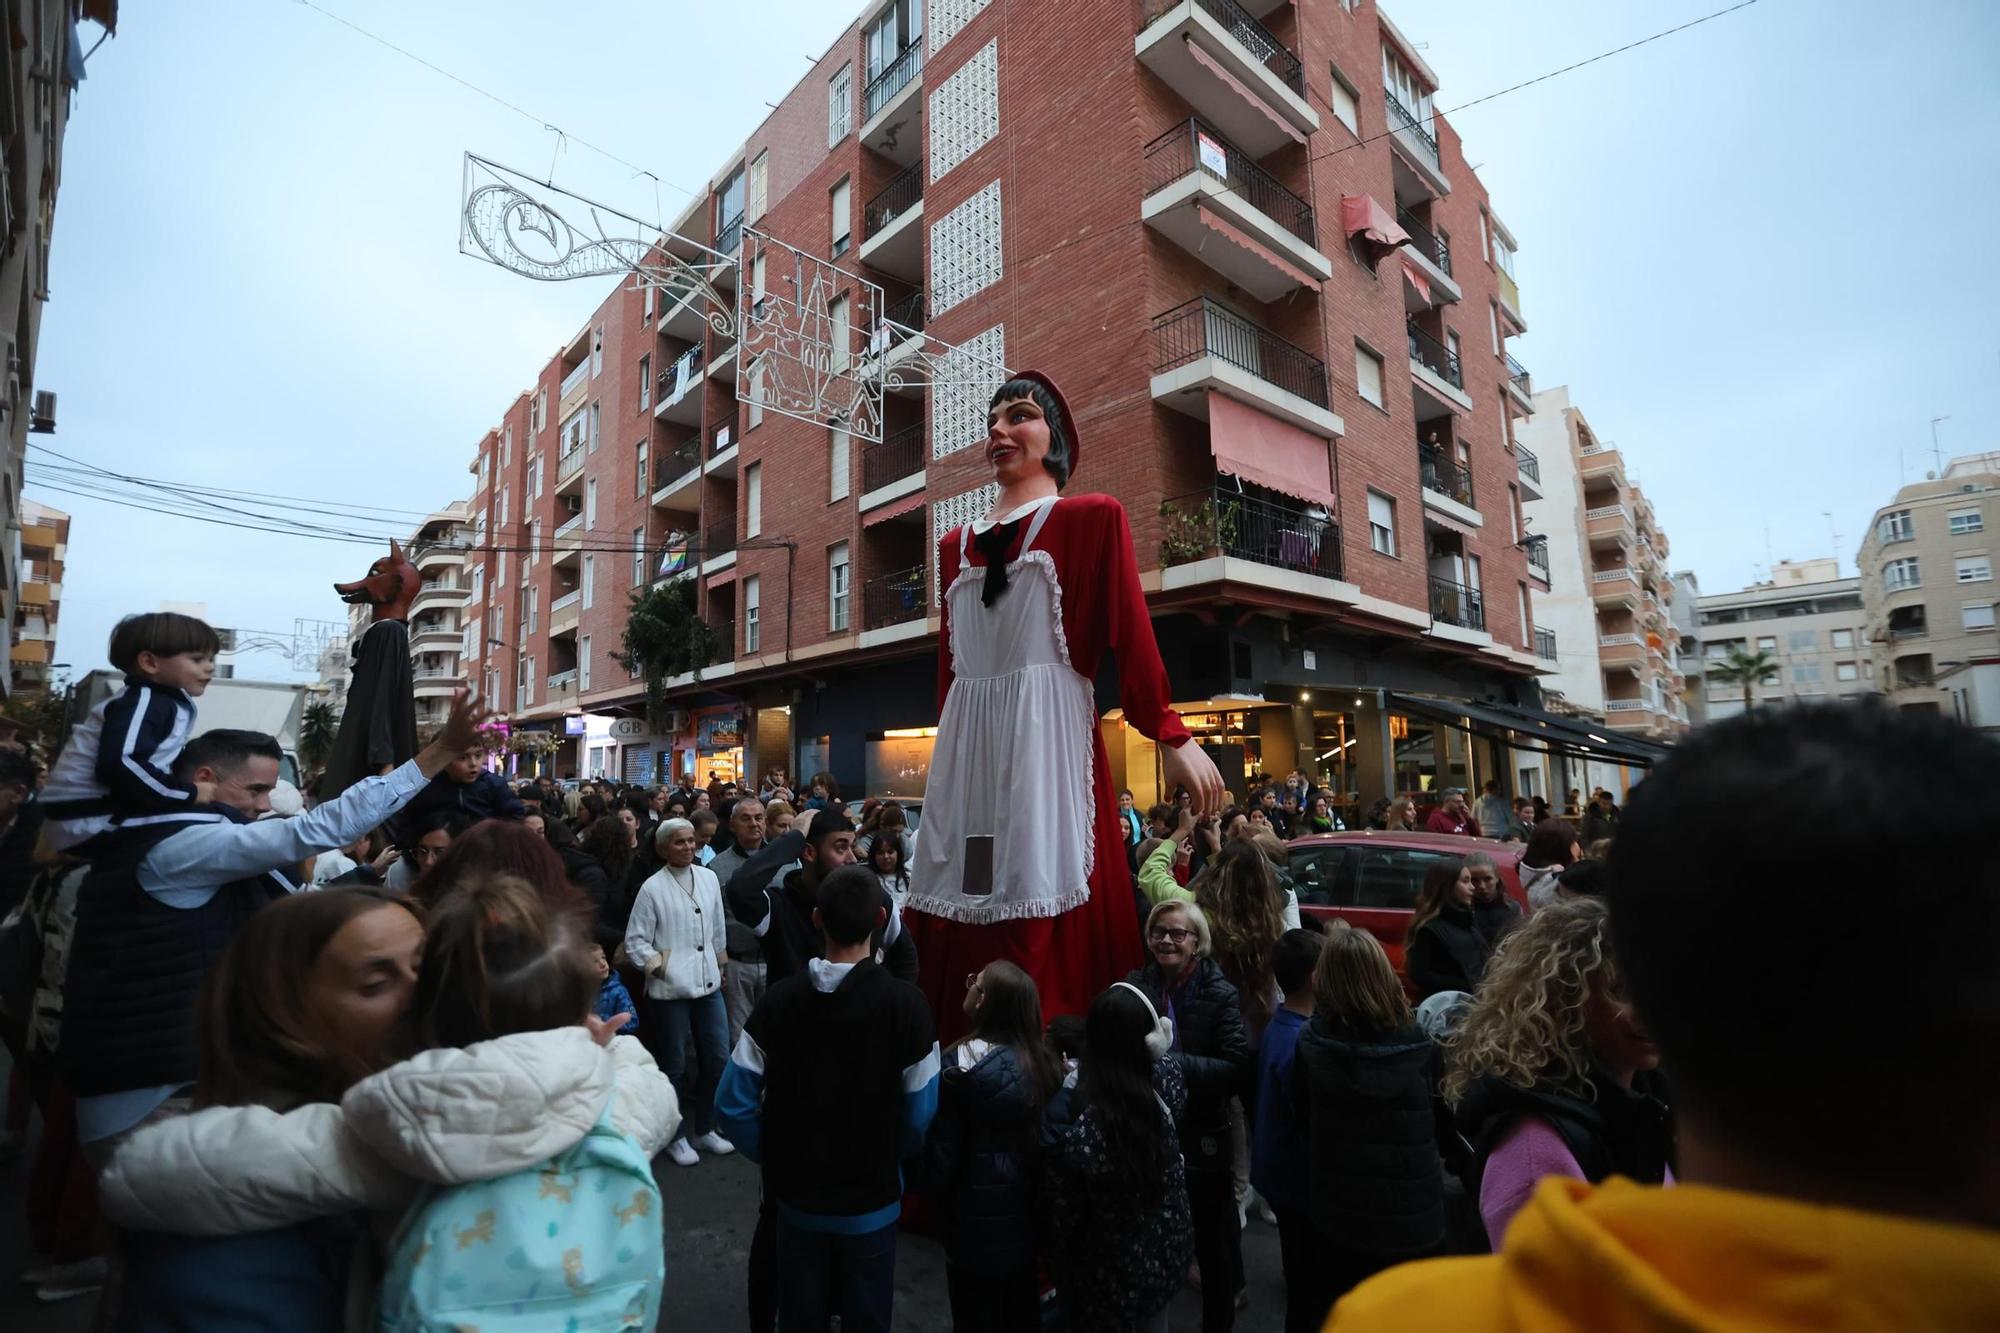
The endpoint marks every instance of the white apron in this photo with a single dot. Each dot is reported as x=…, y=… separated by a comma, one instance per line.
x=1011, y=778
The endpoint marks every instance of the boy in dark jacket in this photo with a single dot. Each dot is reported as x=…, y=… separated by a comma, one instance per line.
x=1279, y=1164
x=464, y=786
x=831, y=1086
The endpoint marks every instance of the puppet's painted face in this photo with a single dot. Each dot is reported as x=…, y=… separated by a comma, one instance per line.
x=386, y=578
x=1017, y=440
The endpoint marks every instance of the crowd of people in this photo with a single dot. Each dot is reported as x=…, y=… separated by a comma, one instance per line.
x=409, y=1054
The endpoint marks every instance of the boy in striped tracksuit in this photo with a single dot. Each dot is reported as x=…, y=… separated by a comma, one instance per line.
x=118, y=765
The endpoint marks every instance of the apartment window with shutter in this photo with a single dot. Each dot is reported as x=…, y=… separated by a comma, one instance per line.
x=645, y=382
x=640, y=452
x=757, y=281
x=589, y=580
x=535, y=540
x=753, y=500
x=1974, y=568
x=756, y=413
x=638, y=557
x=1846, y=671
x=760, y=185
x=1979, y=616
x=1527, y=629
x=836, y=587
x=840, y=206
x=837, y=464
x=597, y=352
x=646, y=304
x=507, y=448
x=1368, y=375
x=590, y=502
x=1381, y=523
x=583, y=664
x=1768, y=644
x=596, y=416
x=1843, y=638
x=1345, y=101
x=1965, y=521
x=752, y=628
x=839, y=105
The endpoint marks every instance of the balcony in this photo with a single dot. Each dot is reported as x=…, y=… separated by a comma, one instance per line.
x=718, y=545
x=438, y=555
x=892, y=226
x=1628, y=714
x=1442, y=477
x=1601, y=460
x=1278, y=534
x=435, y=637
x=1455, y=604
x=1537, y=551
x=1432, y=254
x=1415, y=144
x=1545, y=644
x=1203, y=347
x=1211, y=198
x=679, y=399
x=1437, y=369
x=1607, y=526
x=894, y=459
x=891, y=106
x=571, y=531
x=562, y=687
x=1510, y=298
x=569, y=465
x=684, y=307
x=39, y=540
x=1530, y=468
x=894, y=599
x=437, y=682
x=677, y=477
x=437, y=595
x=572, y=386
x=1228, y=67
x=1615, y=587
x=1621, y=650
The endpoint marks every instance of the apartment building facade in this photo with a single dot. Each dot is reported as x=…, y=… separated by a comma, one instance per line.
x=44, y=548
x=1807, y=617
x=1609, y=598
x=1275, y=292
x=1927, y=581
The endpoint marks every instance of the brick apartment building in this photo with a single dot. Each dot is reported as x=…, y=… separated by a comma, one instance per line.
x=1274, y=291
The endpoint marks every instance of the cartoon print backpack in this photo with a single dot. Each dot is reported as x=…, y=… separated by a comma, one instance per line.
x=572, y=1246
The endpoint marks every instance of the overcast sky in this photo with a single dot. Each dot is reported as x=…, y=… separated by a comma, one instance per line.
x=1759, y=252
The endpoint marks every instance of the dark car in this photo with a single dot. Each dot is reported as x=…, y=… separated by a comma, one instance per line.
x=1370, y=878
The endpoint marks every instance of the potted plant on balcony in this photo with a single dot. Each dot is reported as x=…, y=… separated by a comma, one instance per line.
x=1201, y=532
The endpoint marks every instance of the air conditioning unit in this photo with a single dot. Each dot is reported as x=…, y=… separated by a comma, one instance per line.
x=44, y=420
x=573, y=504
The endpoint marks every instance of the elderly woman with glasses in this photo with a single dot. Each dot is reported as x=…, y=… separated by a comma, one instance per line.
x=1213, y=1051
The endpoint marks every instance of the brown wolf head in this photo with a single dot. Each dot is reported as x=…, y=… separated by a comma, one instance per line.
x=390, y=586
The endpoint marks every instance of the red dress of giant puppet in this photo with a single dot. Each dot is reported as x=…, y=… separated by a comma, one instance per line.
x=1022, y=855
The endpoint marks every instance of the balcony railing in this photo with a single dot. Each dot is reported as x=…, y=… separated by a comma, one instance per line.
x=908, y=312
x=718, y=538
x=577, y=375
x=677, y=462
x=1545, y=644
x=1445, y=477
x=562, y=681
x=682, y=375
x=1537, y=549
x=1403, y=119
x=1279, y=533
x=882, y=89
x=729, y=237
x=1253, y=36
x=1531, y=466
x=1456, y=604
x=1193, y=146
x=896, y=198
x=1203, y=328
x=569, y=465
x=1436, y=357
x=1434, y=247
x=1518, y=375
x=892, y=599
x=900, y=455
x=566, y=601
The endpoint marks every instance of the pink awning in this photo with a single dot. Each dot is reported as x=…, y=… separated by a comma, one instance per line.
x=1255, y=99
x=1415, y=277
x=1362, y=217
x=1255, y=447
x=1236, y=236
x=894, y=509
x=722, y=578
x=1448, y=523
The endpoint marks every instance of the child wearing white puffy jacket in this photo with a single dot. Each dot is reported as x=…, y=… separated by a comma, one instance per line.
x=252, y=1212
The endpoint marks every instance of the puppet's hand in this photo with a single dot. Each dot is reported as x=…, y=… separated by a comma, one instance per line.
x=1188, y=765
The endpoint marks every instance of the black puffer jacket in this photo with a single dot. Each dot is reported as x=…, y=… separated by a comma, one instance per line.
x=980, y=1161
x=1494, y=919
x=1376, y=1182
x=1448, y=953
x=1608, y=1128
x=588, y=873
x=1214, y=1054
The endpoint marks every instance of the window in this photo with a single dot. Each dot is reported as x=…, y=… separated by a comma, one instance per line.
x=1895, y=527
x=757, y=280
x=1979, y=616
x=478, y=584
x=597, y=351
x=1343, y=100
x=1405, y=85
x=1527, y=627
x=842, y=334
x=1805, y=673
x=534, y=607
x=1503, y=253
x=1485, y=241
x=840, y=209
x=1368, y=375
x=839, y=105
x=1900, y=574
x=583, y=664
x=896, y=30
x=542, y=410
x=507, y=448
x=1493, y=326
x=760, y=186
x=1974, y=568
x=1473, y=581
x=1381, y=523
x=596, y=414
x=645, y=382
x=639, y=452
x=728, y=209
x=589, y=580
x=638, y=557
x=1767, y=644
x=1964, y=521
x=1514, y=514
x=1802, y=641
x=836, y=587
x=1843, y=638
x=535, y=477
x=752, y=628
x=535, y=540
x=485, y=469
x=520, y=682
x=756, y=414
x=753, y=500
x=646, y=304
x=1846, y=671
x=589, y=502
x=503, y=506
x=837, y=464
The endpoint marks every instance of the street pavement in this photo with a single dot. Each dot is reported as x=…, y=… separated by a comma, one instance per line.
x=710, y=1212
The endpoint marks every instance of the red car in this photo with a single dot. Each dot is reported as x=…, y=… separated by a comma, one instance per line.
x=1370, y=878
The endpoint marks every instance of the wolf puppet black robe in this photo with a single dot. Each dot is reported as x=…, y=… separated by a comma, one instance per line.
x=379, y=728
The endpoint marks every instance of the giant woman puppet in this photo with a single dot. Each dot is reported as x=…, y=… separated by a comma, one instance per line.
x=1022, y=855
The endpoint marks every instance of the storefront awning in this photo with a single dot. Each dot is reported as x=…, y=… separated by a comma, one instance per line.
x=1578, y=738
x=1260, y=448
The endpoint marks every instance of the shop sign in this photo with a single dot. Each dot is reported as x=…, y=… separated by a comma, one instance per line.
x=721, y=731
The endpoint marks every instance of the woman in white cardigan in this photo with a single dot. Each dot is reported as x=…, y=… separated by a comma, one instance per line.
x=675, y=936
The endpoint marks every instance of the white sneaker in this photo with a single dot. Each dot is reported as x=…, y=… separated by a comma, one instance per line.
x=682, y=1152
x=713, y=1144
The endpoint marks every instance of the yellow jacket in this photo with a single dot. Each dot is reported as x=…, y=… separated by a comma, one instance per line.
x=1622, y=1257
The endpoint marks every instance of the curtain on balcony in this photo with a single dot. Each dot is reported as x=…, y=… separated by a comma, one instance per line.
x=1373, y=225
x=1267, y=451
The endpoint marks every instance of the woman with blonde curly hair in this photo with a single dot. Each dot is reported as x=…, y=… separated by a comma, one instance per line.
x=1550, y=1073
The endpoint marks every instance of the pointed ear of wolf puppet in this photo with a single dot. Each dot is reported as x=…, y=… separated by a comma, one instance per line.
x=396, y=551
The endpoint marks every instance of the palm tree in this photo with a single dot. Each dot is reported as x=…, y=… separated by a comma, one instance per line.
x=317, y=729
x=1744, y=668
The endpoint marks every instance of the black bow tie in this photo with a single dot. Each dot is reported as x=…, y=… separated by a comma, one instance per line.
x=993, y=544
